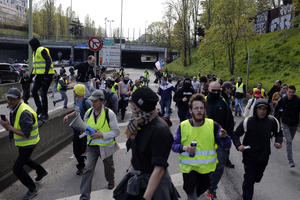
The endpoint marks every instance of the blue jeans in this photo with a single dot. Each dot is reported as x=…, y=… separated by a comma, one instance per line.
x=216, y=176
x=238, y=105
x=165, y=104
x=64, y=98
x=54, y=88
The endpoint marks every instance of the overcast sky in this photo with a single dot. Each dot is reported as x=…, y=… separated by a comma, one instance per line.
x=136, y=13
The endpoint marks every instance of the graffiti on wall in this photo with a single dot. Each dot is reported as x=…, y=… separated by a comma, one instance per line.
x=284, y=21
x=261, y=22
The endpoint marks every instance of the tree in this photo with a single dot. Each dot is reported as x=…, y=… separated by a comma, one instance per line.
x=195, y=7
x=230, y=23
x=296, y=20
x=157, y=33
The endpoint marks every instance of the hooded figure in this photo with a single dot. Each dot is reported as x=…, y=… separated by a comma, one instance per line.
x=34, y=43
x=258, y=130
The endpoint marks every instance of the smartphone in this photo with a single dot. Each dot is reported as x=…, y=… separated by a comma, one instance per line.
x=3, y=117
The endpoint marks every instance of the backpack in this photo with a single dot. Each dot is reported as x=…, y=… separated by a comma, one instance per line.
x=108, y=101
x=245, y=124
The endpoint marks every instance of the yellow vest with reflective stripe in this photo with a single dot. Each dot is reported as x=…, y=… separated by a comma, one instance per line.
x=135, y=88
x=239, y=89
x=34, y=134
x=101, y=126
x=146, y=75
x=39, y=63
x=59, y=85
x=205, y=159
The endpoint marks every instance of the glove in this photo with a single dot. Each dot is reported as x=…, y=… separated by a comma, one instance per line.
x=90, y=130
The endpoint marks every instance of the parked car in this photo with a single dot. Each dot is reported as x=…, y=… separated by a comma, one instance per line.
x=8, y=73
x=20, y=68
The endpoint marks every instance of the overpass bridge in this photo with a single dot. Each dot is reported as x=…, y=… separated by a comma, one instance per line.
x=14, y=49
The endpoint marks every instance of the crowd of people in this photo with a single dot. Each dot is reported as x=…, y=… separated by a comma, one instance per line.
x=206, y=106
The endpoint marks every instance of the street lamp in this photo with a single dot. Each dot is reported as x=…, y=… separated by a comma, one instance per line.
x=105, y=20
x=30, y=34
x=110, y=21
x=121, y=33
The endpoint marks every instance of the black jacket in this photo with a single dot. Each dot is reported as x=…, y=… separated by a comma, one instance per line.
x=180, y=94
x=219, y=111
x=272, y=91
x=258, y=135
x=288, y=110
x=85, y=71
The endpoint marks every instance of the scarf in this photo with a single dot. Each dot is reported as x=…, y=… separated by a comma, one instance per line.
x=138, y=119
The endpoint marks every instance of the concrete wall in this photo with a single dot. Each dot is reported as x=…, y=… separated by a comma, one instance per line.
x=54, y=135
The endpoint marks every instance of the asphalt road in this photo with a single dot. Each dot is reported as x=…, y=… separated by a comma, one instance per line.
x=279, y=182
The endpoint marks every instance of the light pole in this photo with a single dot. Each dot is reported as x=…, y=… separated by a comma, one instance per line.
x=30, y=34
x=121, y=33
x=105, y=20
x=110, y=21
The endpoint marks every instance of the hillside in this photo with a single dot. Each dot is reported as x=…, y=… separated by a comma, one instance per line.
x=273, y=56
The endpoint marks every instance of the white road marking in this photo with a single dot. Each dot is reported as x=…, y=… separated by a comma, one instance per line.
x=106, y=194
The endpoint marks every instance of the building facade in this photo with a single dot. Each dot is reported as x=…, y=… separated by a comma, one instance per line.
x=13, y=11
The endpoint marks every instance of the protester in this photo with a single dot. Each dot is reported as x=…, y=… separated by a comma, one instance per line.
x=62, y=87
x=262, y=90
x=218, y=110
x=123, y=95
x=146, y=74
x=56, y=78
x=85, y=73
x=25, y=82
x=25, y=132
x=274, y=89
x=256, y=150
x=150, y=140
x=79, y=144
x=100, y=144
x=196, y=163
x=278, y=95
x=165, y=91
x=240, y=94
x=248, y=112
x=196, y=84
x=43, y=72
x=288, y=109
x=182, y=97
x=111, y=99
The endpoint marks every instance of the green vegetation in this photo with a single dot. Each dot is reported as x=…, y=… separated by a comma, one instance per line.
x=273, y=56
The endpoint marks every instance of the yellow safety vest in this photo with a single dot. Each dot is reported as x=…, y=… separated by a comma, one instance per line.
x=262, y=91
x=59, y=85
x=146, y=75
x=135, y=88
x=165, y=74
x=39, y=63
x=101, y=126
x=142, y=84
x=34, y=134
x=113, y=89
x=239, y=89
x=205, y=159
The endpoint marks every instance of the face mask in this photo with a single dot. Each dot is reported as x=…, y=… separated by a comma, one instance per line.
x=125, y=81
x=214, y=96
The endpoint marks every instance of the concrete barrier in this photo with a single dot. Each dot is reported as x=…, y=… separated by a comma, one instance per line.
x=54, y=135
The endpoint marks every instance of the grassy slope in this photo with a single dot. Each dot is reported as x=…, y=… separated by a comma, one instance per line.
x=273, y=56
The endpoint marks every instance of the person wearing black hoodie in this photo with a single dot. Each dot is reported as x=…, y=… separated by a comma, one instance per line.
x=288, y=109
x=258, y=130
x=182, y=97
x=43, y=72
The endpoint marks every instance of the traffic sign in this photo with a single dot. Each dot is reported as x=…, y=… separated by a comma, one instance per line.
x=95, y=44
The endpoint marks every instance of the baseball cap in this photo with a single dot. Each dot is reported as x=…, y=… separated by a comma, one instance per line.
x=13, y=93
x=79, y=89
x=257, y=93
x=97, y=94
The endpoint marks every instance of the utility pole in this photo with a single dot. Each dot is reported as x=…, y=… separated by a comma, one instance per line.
x=30, y=35
x=105, y=20
x=121, y=33
x=248, y=68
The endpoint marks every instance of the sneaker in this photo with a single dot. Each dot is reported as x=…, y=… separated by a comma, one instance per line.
x=54, y=103
x=41, y=176
x=30, y=194
x=292, y=165
x=211, y=196
x=111, y=186
x=44, y=117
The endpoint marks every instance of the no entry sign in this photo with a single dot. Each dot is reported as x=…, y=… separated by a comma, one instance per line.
x=95, y=44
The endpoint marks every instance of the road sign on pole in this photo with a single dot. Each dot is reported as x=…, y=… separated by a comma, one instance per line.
x=95, y=44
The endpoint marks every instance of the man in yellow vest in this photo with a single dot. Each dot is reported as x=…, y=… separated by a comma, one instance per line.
x=43, y=72
x=147, y=77
x=62, y=87
x=239, y=94
x=259, y=87
x=23, y=127
x=196, y=140
x=100, y=144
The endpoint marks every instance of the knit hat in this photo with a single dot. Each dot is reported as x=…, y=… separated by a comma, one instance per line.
x=97, y=94
x=145, y=98
x=79, y=89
